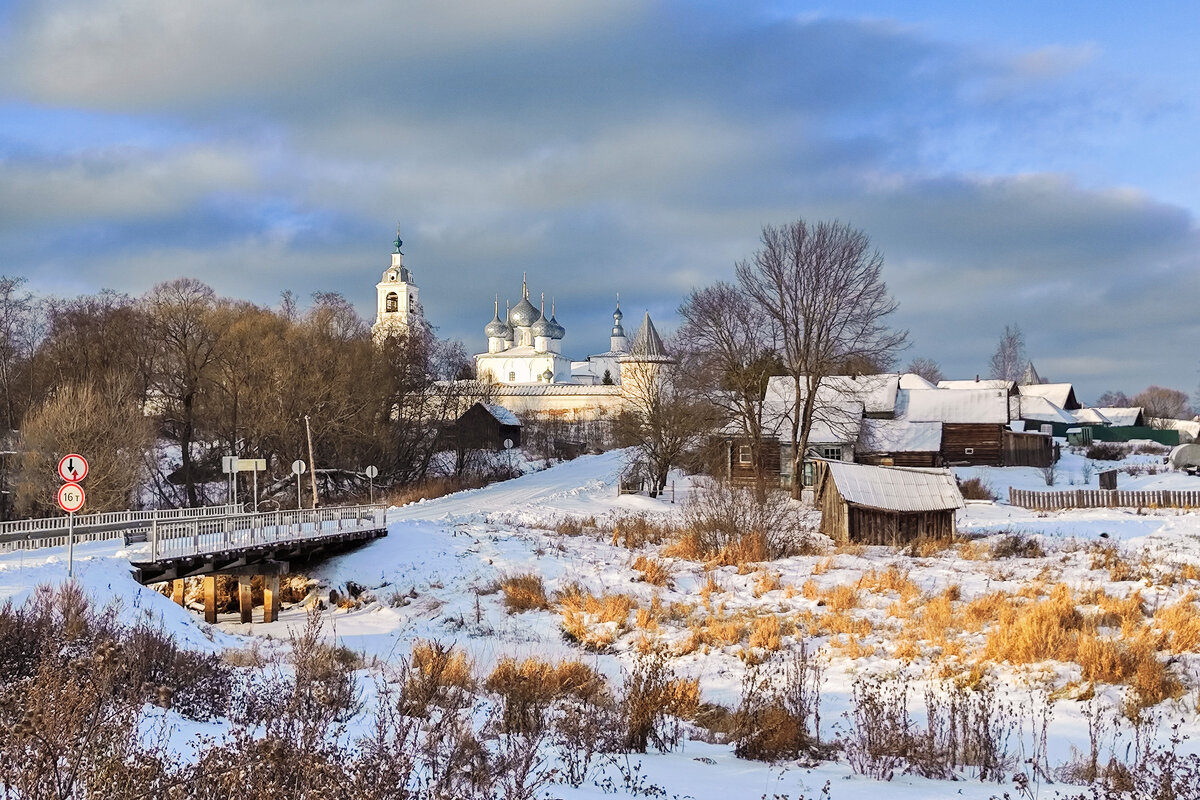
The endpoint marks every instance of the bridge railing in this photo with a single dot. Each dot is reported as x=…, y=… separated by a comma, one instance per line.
x=180, y=539
x=29, y=534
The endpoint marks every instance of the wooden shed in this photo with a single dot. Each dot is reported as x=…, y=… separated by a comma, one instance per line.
x=487, y=427
x=742, y=453
x=886, y=505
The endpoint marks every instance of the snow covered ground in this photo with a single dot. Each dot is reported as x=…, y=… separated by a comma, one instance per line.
x=434, y=577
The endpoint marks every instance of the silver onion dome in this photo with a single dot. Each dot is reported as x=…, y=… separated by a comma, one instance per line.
x=542, y=327
x=558, y=331
x=617, y=317
x=497, y=328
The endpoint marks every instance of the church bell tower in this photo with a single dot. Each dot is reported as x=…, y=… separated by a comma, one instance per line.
x=396, y=299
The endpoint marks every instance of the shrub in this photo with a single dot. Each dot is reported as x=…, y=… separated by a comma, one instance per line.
x=1017, y=545
x=652, y=700
x=976, y=489
x=721, y=516
x=524, y=592
x=779, y=715
x=1107, y=451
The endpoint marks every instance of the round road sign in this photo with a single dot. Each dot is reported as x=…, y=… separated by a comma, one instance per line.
x=299, y=467
x=71, y=497
x=372, y=472
x=72, y=468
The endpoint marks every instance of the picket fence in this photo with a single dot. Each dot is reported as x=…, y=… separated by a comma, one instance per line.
x=1102, y=498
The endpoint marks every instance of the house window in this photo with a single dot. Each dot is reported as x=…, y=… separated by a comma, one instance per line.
x=745, y=456
x=831, y=453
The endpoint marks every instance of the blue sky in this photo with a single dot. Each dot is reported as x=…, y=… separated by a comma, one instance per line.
x=1018, y=163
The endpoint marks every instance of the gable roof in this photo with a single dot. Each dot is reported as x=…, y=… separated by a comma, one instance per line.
x=987, y=383
x=911, y=380
x=895, y=488
x=1061, y=394
x=502, y=414
x=979, y=406
x=899, y=436
x=832, y=424
x=876, y=393
x=1040, y=409
x=1090, y=416
x=1123, y=417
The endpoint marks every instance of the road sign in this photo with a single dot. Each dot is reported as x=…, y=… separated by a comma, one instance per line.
x=72, y=468
x=71, y=497
x=231, y=464
x=372, y=472
x=299, y=467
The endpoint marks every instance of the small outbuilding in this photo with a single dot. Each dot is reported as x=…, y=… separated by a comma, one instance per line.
x=886, y=505
x=486, y=426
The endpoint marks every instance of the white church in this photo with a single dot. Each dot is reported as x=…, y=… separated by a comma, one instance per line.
x=524, y=365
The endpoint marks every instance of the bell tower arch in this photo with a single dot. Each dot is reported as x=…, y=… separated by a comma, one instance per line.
x=396, y=301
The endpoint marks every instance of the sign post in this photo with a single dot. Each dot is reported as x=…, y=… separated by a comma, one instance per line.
x=372, y=471
x=298, y=469
x=232, y=465
x=70, y=499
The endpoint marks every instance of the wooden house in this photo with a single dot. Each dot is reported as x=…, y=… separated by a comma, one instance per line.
x=885, y=505
x=487, y=427
x=973, y=421
x=900, y=443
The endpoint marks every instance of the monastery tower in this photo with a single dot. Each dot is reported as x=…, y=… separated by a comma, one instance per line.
x=396, y=299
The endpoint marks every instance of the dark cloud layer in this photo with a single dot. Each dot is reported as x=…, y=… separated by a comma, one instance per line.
x=600, y=147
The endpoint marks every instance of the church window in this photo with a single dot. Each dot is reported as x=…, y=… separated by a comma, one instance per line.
x=391, y=303
x=512, y=377
x=412, y=304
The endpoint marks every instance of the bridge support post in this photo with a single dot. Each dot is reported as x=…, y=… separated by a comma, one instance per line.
x=177, y=591
x=245, y=598
x=210, y=599
x=270, y=598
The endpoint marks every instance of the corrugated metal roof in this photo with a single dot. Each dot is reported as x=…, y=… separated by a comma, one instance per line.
x=896, y=488
x=544, y=389
x=899, y=436
x=979, y=406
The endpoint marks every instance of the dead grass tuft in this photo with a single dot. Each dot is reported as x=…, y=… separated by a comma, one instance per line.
x=654, y=572
x=524, y=592
x=594, y=622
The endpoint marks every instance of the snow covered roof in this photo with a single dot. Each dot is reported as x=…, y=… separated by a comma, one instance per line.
x=1122, y=417
x=1040, y=409
x=980, y=406
x=502, y=414
x=899, y=436
x=896, y=488
x=1061, y=394
x=543, y=389
x=876, y=393
x=833, y=424
x=1089, y=416
x=911, y=380
x=989, y=383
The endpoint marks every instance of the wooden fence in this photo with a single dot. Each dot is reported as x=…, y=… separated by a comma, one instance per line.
x=1102, y=498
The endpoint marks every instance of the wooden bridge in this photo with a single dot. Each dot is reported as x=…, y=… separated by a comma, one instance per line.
x=173, y=544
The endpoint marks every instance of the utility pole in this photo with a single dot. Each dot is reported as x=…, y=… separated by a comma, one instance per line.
x=308, y=430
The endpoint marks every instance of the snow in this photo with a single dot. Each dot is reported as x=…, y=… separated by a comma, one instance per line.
x=502, y=414
x=432, y=577
x=953, y=406
x=896, y=488
x=900, y=436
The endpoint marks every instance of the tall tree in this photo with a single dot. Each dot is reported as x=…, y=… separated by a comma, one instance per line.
x=1008, y=362
x=1162, y=403
x=16, y=310
x=733, y=347
x=822, y=286
x=182, y=324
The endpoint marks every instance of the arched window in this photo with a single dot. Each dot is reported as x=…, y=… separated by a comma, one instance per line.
x=391, y=303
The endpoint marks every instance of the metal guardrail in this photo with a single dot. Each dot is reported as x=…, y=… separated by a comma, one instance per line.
x=53, y=525
x=202, y=537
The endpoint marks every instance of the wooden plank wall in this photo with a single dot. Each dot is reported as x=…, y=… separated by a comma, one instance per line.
x=914, y=459
x=986, y=442
x=1102, y=498
x=768, y=457
x=871, y=526
x=1027, y=450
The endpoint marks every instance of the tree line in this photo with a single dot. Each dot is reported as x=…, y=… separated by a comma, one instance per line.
x=155, y=389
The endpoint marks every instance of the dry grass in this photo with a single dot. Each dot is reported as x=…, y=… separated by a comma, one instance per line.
x=594, y=622
x=839, y=598
x=766, y=632
x=524, y=592
x=574, y=526
x=892, y=579
x=637, y=531
x=654, y=572
x=431, y=490
x=1179, y=625
x=543, y=679
x=767, y=582
x=441, y=665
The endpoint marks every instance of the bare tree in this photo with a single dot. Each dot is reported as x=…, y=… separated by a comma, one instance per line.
x=821, y=285
x=16, y=308
x=1113, y=399
x=734, y=350
x=927, y=368
x=1008, y=362
x=1163, y=403
x=188, y=342
x=662, y=417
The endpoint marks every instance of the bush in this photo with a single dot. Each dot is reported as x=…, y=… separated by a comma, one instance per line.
x=728, y=523
x=1017, y=545
x=976, y=489
x=1107, y=451
x=524, y=593
x=780, y=709
x=652, y=701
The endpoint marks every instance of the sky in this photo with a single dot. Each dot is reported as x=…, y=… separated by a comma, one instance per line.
x=1015, y=163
